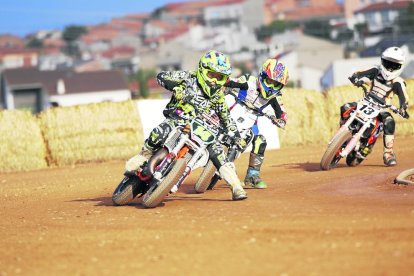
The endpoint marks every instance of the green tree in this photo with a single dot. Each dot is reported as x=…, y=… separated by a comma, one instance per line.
x=143, y=75
x=277, y=26
x=405, y=21
x=70, y=35
x=34, y=43
x=319, y=28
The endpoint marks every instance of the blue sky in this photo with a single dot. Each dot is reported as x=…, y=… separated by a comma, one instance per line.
x=21, y=17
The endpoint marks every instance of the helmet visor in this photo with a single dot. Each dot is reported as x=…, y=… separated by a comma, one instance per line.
x=390, y=65
x=216, y=77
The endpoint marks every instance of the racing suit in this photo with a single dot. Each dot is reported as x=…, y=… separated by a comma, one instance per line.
x=248, y=92
x=382, y=91
x=187, y=95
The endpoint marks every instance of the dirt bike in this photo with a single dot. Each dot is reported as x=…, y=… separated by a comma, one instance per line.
x=184, y=150
x=357, y=136
x=245, y=118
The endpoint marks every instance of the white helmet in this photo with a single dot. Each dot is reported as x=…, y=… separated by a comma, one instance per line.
x=392, y=61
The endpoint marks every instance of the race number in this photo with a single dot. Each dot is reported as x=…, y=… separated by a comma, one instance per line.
x=366, y=109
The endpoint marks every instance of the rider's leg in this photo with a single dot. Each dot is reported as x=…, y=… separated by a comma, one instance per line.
x=255, y=162
x=227, y=171
x=389, y=129
x=155, y=140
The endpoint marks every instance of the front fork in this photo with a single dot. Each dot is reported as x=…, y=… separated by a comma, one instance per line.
x=188, y=169
x=354, y=140
x=165, y=164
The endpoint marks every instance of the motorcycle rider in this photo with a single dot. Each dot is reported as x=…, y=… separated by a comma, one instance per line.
x=384, y=82
x=202, y=90
x=257, y=93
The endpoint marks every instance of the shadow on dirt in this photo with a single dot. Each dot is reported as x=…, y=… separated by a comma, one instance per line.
x=101, y=201
x=185, y=189
x=308, y=166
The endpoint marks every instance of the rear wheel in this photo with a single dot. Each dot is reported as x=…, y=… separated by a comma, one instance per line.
x=332, y=154
x=127, y=190
x=205, y=178
x=156, y=194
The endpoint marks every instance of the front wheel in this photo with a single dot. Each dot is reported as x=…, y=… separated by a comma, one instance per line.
x=332, y=154
x=205, y=178
x=352, y=160
x=156, y=194
x=127, y=190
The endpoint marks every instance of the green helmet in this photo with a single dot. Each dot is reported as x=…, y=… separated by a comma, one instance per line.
x=213, y=71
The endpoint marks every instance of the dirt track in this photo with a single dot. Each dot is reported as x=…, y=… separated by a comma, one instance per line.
x=349, y=221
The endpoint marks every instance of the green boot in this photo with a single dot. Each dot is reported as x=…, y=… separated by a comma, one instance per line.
x=252, y=177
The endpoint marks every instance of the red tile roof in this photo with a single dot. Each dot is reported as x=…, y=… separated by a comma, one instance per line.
x=49, y=42
x=127, y=24
x=100, y=32
x=314, y=11
x=11, y=41
x=386, y=5
x=119, y=52
x=16, y=51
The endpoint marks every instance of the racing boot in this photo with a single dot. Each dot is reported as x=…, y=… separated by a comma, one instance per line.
x=252, y=177
x=135, y=162
x=389, y=156
x=228, y=173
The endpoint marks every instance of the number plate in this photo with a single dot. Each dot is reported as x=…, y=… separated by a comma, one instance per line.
x=201, y=134
x=367, y=111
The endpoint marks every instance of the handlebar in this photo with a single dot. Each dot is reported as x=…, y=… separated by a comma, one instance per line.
x=393, y=108
x=259, y=112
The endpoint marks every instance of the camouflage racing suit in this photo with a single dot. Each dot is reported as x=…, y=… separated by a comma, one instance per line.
x=179, y=111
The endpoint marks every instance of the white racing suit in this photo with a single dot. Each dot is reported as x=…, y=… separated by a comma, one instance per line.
x=250, y=99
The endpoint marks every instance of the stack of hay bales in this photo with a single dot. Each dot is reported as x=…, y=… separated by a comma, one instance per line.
x=335, y=98
x=21, y=142
x=406, y=127
x=90, y=133
x=307, y=118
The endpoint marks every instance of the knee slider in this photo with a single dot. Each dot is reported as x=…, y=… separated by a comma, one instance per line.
x=389, y=126
x=259, y=144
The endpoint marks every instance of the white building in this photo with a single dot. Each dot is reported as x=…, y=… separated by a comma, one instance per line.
x=338, y=72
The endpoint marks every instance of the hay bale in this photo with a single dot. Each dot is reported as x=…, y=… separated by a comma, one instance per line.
x=406, y=127
x=21, y=143
x=94, y=132
x=307, y=117
x=335, y=98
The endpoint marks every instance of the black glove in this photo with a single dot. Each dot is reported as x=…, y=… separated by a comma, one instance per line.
x=355, y=81
x=239, y=142
x=359, y=83
x=234, y=134
x=403, y=112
